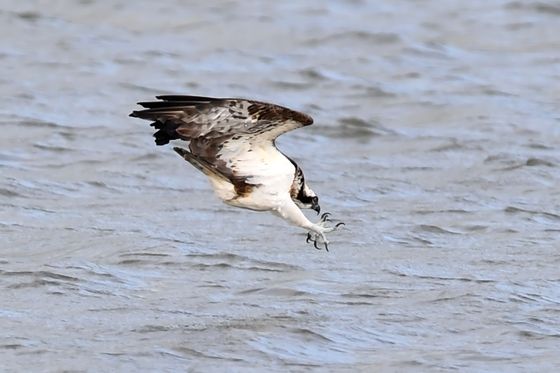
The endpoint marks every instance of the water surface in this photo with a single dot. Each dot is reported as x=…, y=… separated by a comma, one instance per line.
x=436, y=140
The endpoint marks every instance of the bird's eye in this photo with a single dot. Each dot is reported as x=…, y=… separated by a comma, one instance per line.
x=315, y=199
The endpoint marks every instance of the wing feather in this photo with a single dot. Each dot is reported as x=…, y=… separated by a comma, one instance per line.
x=196, y=116
x=223, y=132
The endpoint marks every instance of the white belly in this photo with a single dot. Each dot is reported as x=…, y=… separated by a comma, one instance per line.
x=223, y=189
x=268, y=170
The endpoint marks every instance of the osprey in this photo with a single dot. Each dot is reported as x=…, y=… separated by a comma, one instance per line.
x=232, y=141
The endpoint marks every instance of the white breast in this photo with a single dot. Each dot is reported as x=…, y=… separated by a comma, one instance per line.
x=266, y=168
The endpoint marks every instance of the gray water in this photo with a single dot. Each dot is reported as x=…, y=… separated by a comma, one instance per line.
x=436, y=139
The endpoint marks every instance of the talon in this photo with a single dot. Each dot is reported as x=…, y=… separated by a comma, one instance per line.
x=325, y=217
x=315, y=244
x=339, y=224
x=326, y=246
x=308, y=237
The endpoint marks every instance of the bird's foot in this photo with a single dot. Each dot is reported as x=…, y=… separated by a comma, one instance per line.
x=317, y=235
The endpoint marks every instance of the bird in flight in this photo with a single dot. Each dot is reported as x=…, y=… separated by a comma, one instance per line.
x=232, y=141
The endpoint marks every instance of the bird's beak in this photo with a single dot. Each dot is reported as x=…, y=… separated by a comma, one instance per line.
x=317, y=208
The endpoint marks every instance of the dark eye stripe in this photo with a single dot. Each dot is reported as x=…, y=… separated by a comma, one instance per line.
x=304, y=198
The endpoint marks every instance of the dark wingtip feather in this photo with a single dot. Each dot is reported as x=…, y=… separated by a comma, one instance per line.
x=151, y=104
x=187, y=98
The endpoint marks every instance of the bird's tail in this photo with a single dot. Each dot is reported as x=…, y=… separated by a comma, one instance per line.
x=166, y=130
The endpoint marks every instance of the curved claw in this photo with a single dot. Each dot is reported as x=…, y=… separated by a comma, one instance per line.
x=339, y=224
x=326, y=246
x=325, y=217
x=308, y=237
x=315, y=244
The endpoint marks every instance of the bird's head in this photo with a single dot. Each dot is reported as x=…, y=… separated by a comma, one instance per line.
x=306, y=198
x=302, y=195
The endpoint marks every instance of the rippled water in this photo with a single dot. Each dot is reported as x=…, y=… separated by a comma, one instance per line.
x=436, y=140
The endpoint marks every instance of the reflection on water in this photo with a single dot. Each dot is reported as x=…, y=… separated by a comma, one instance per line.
x=435, y=139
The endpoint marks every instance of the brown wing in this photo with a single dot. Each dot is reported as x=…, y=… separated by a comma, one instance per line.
x=191, y=117
x=214, y=125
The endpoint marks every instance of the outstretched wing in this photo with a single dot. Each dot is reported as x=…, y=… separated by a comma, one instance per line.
x=221, y=131
x=196, y=117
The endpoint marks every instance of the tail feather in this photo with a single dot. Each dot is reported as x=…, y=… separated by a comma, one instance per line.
x=166, y=132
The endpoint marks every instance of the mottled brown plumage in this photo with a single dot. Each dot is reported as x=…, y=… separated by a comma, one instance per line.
x=212, y=124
